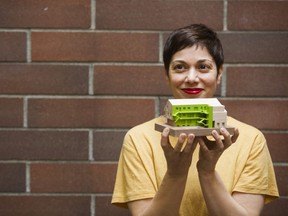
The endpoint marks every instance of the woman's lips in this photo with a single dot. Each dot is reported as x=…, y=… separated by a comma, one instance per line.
x=193, y=91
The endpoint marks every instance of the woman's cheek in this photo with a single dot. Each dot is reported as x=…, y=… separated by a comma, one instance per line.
x=208, y=79
x=177, y=79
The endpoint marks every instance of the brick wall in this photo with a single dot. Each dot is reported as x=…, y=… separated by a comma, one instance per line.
x=75, y=75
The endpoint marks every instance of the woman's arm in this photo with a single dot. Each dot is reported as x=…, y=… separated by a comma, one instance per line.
x=169, y=196
x=218, y=200
x=166, y=202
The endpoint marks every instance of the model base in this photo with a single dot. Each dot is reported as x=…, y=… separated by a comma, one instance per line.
x=197, y=131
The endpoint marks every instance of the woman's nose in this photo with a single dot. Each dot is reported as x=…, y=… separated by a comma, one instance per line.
x=192, y=76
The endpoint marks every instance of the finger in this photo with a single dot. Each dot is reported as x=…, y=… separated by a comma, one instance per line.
x=165, y=143
x=218, y=140
x=227, y=137
x=235, y=135
x=180, y=142
x=202, y=144
x=191, y=144
x=209, y=143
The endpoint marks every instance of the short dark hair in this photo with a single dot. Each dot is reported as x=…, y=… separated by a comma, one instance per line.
x=195, y=34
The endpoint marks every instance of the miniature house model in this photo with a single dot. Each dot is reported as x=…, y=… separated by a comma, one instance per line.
x=204, y=112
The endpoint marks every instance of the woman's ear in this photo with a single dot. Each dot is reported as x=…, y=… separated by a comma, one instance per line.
x=219, y=75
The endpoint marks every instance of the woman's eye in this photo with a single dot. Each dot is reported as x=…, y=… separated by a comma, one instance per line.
x=179, y=67
x=204, y=68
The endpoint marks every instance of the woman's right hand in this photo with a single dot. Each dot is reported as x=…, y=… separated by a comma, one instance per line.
x=178, y=158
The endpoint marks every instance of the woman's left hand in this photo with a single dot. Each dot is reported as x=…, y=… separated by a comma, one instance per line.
x=210, y=151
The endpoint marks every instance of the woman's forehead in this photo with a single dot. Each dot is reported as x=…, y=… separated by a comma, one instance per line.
x=197, y=53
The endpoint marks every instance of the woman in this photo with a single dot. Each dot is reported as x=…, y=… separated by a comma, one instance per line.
x=188, y=175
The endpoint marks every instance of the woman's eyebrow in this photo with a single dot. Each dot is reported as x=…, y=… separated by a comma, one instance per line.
x=204, y=60
x=178, y=61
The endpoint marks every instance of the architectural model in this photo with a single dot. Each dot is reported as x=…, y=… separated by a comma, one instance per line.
x=198, y=116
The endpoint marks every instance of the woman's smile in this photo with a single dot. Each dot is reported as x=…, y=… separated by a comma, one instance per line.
x=192, y=91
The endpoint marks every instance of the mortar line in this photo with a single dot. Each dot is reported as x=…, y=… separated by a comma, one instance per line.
x=90, y=146
x=28, y=51
x=92, y=205
x=225, y=12
x=160, y=47
x=224, y=82
x=93, y=14
x=157, y=106
x=91, y=80
x=25, y=112
x=28, y=178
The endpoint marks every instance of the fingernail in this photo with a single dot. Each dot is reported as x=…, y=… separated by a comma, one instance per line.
x=183, y=136
x=166, y=131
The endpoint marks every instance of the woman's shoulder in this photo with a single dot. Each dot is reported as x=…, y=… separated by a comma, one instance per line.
x=247, y=133
x=143, y=137
x=232, y=122
x=148, y=125
x=145, y=131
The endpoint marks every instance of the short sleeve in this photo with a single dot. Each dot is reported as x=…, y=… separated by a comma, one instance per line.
x=257, y=176
x=133, y=181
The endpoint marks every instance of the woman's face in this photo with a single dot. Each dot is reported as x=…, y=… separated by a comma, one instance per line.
x=193, y=73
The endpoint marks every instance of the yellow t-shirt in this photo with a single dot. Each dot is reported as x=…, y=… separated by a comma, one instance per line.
x=245, y=166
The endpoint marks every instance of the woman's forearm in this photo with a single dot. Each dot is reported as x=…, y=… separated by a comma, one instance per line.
x=168, y=199
x=218, y=200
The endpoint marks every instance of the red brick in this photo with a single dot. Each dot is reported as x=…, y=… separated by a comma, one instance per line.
x=103, y=113
x=100, y=46
x=11, y=112
x=257, y=81
x=44, y=145
x=45, y=205
x=12, y=46
x=276, y=208
x=45, y=14
x=278, y=146
x=263, y=114
x=107, y=145
x=131, y=80
x=105, y=208
x=162, y=105
x=257, y=15
x=43, y=79
x=255, y=47
x=72, y=178
x=157, y=15
x=12, y=177
x=281, y=176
